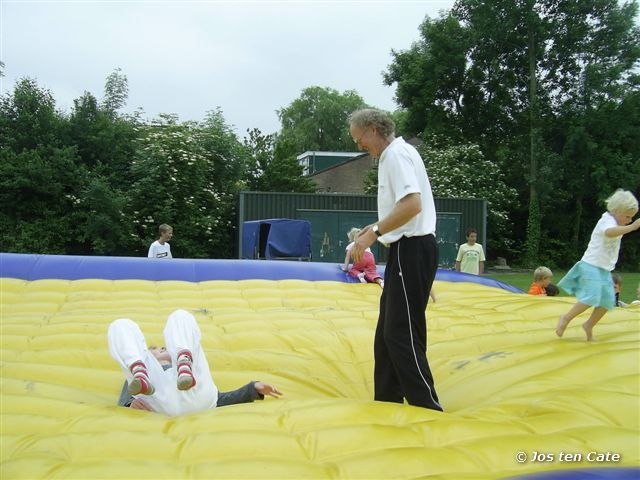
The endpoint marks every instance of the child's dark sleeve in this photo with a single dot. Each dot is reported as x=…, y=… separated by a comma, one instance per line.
x=125, y=399
x=246, y=394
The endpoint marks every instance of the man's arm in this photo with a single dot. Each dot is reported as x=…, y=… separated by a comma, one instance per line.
x=347, y=257
x=404, y=210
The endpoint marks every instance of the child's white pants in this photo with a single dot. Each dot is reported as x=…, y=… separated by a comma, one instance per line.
x=127, y=345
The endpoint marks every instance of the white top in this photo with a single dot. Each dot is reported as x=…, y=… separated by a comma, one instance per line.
x=158, y=250
x=401, y=172
x=470, y=257
x=603, y=251
x=350, y=246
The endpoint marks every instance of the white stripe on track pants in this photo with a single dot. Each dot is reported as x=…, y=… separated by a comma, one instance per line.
x=400, y=345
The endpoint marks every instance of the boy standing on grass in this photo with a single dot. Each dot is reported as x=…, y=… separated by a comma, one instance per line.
x=470, y=255
x=161, y=248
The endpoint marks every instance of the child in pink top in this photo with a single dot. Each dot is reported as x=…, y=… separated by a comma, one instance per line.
x=364, y=270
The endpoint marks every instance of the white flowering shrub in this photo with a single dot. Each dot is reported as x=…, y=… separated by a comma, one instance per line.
x=186, y=175
x=462, y=171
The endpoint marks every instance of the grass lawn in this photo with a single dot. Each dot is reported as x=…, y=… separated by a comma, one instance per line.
x=522, y=280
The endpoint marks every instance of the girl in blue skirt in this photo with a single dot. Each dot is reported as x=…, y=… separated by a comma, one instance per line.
x=589, y=280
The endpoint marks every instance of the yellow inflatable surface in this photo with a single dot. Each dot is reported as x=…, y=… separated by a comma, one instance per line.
x=517, y=398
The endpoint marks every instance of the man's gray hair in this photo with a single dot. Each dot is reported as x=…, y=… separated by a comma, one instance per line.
x=370, y=117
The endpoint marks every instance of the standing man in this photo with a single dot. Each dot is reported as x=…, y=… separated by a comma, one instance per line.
x=407, y=223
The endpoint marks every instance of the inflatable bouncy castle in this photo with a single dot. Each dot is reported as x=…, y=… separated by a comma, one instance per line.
x=519, y=402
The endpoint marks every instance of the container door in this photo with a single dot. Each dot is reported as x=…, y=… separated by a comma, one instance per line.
x=447, y=236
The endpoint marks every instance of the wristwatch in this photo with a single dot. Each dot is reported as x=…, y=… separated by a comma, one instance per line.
x=376, y=230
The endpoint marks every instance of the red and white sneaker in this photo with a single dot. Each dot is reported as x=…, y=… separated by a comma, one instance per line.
x=186, y=380
x=140, y=383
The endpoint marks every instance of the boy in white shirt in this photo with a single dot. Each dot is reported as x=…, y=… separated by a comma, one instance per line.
x=470, y=257
x=161, y=248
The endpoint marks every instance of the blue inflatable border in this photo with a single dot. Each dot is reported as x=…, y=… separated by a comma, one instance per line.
x=604, y=473
x=70, y=267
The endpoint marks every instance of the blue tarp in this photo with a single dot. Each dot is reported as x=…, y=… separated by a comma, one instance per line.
x=276, y=238
x=71, y=267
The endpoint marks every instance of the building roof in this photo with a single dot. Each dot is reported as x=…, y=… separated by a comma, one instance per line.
x=311, y=153
x=338, y=165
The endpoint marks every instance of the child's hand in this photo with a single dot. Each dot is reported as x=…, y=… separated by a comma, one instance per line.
x=266, y=389
x=140, y=404
x=636, y=224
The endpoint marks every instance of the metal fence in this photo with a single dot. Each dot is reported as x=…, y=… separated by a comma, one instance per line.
x=332, y=214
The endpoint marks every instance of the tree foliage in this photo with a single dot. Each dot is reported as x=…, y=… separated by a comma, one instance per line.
x=269, y=173
x=462, y=171
x=98, y=182
x=185, y=174
x=528, y=81
x=40, y=177
x=317, y=120
x=116, y=92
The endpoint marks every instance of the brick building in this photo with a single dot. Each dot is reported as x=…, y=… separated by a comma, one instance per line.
x=337, y=172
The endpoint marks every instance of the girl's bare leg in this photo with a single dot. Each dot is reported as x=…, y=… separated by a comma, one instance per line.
x=576, y=310
x=595, y=317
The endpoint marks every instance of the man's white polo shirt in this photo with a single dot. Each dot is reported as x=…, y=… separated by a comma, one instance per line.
x=401, y=172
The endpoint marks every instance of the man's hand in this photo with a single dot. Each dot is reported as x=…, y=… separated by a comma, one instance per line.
x=266, y=389
x=364, y=240
x=140, y=404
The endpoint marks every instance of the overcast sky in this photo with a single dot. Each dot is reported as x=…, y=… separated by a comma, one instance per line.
x=250, y=58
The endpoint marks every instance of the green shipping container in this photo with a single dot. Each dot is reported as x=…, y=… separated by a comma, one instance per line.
x=332, y=215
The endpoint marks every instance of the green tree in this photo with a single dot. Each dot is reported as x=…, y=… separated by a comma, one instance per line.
x=40, y=177
x=462, y=171
x=103, y=226
x=186, y=174
x=29, y=118
x=39, y=191
x=266, y=173
x=600, y=153
x=501, y=74
x=317, y=120
x=105, y=141
x=116, y=92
